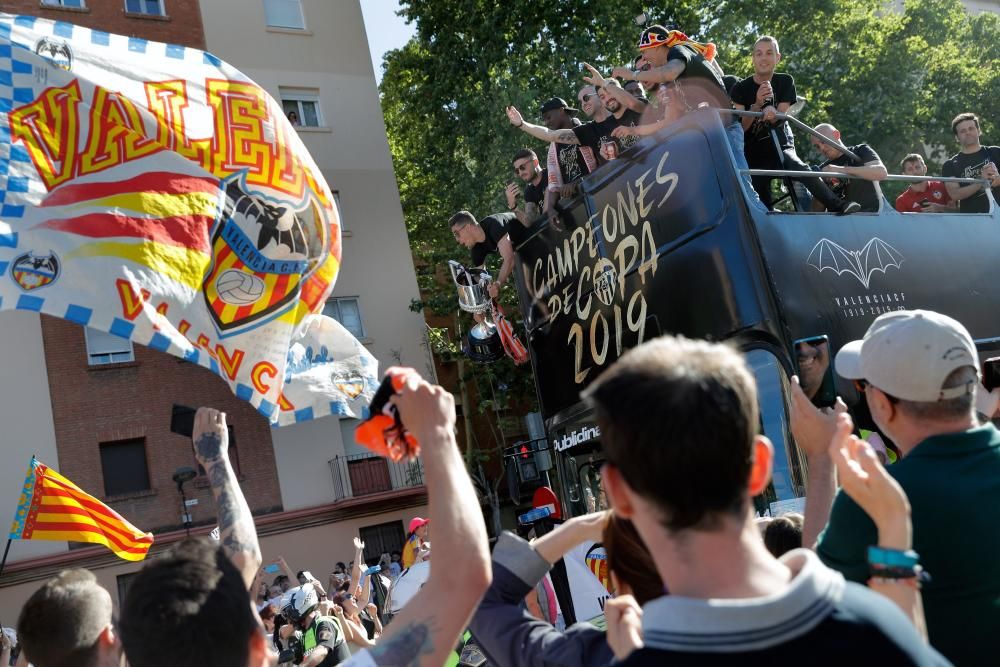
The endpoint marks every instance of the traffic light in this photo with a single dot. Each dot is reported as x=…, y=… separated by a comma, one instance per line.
x=531, y=458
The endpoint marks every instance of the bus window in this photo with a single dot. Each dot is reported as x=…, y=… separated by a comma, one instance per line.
x=772, y=387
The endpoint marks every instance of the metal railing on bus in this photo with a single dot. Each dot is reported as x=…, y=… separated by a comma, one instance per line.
x=792, y=174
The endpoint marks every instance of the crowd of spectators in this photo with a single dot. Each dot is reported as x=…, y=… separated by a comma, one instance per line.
x=897, y=566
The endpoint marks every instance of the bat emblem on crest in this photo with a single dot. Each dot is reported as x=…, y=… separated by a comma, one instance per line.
x=877, y=255
x=57, y=52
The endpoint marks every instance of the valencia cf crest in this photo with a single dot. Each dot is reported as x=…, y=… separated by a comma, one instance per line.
x=31, y=271
x=351, y=382
x=261, y=253
x=56, y=51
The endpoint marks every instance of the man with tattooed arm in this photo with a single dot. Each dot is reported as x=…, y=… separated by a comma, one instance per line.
x=192, y=606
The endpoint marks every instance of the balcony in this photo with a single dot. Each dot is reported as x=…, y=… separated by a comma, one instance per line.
x=360, y=475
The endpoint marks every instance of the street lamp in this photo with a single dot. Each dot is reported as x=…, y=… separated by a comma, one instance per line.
x=182, y=475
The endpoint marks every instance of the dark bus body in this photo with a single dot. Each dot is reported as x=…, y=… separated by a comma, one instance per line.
x=664, y=240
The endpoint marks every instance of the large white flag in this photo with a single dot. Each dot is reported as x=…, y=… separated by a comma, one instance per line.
x=154, y=192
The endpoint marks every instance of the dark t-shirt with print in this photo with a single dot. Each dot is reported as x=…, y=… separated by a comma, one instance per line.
x=759, y=144
x=595, y=133
x=572, y=165
x=496, y=227
x=858, y=189
x=699, y=82
x=535, y=194
x=970, y=165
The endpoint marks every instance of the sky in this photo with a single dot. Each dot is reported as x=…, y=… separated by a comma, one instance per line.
x=386, y=31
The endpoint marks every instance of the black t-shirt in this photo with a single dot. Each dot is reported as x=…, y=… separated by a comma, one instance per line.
x=496, y=227
x=860, y=631
x=699, y=82
x=572, y=165
x=858, y=189
x=330, y=636
x=759, y=143
x=970, y=165
x=535, y=194
x=595, y=133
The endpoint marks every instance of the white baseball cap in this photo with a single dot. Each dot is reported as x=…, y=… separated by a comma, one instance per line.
x=909, y=353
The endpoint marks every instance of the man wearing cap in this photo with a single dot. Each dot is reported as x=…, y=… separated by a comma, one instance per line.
x=597, y=133
x=697, y=80
x=567, y=162
x=415, y=550
x=919, y=372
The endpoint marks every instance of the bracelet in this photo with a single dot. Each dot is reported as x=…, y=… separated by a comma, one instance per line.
x=879, y=557
x=912, y=582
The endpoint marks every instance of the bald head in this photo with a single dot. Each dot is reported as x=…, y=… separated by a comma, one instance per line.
x=827, y=130
x=61, y=623
x=830, y=132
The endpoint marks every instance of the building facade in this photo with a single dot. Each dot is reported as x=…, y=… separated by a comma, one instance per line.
x=98, y=409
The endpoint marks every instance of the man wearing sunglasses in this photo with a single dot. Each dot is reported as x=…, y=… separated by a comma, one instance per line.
x=527, y=168
x=608, y=113
x=918, y=373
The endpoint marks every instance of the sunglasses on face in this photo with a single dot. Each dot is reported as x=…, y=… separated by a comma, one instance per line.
x=645, y=68
x=586, y=98
x=521, y=167
x=861, y=385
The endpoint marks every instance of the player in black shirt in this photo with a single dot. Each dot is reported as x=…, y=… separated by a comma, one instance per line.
x=527, y=168
x=869, y=167
x=595, y=135
x=489, y=236
x=769, y=143
x=698, y=81
x=973, y=161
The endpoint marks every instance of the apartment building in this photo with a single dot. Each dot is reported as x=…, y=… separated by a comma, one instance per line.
x=97, y=408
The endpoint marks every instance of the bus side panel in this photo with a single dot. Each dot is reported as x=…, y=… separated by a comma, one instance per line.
x=655, y=246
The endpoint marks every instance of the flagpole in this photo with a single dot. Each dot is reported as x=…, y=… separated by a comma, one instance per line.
x=5, y=552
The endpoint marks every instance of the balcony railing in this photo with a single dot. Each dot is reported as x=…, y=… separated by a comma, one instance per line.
x=364, y=474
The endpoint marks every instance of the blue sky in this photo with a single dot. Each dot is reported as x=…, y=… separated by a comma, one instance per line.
x=386, y=31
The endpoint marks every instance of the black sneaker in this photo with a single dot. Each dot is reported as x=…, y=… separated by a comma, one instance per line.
x=849, y=207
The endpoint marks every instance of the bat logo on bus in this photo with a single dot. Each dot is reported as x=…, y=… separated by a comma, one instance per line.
x=877, y=255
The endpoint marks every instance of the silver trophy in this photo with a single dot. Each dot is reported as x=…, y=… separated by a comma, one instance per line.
x=482, y=344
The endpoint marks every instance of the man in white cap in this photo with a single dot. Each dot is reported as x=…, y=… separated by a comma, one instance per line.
x=919, y=373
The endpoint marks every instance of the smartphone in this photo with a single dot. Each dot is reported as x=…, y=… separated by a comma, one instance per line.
x=272, y=568
x=812, y=365
x=991, y=373
x=925, y=203
x=182, y=420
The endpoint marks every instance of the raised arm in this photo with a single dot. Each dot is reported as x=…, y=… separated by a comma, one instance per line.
x=427, y=629
x=883, y=499
x=236, y=528
x=597, y=80
x=359, y=548
x=663, y=74
x=539, y=132
x=812, y=429
x=554, y=545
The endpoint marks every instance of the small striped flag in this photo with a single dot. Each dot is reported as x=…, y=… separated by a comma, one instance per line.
x=53, y=508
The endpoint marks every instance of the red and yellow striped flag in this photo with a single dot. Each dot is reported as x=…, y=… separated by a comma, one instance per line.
x=53, y=508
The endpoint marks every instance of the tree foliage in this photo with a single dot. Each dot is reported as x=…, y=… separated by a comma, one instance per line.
x=886, y=74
